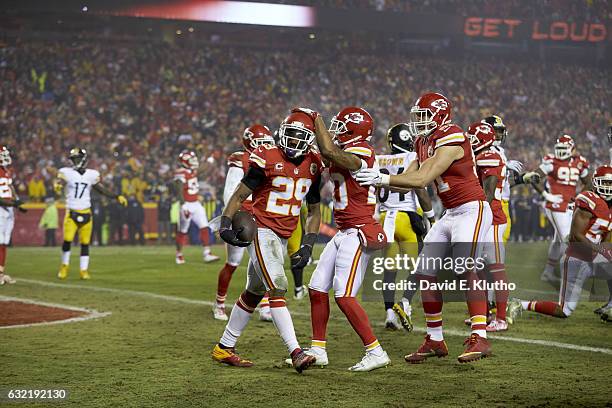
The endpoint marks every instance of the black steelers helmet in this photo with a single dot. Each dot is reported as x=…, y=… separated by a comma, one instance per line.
x=400, y=139
x=78, y=157
x=500, y=129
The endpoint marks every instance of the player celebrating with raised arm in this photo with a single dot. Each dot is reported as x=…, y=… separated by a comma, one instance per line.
x=188, y=188
x=562, y=171
x=8, y=201
x=344, y=260
x=77, y=181
x=279, y=179
x=238, y=163
x=445, y=157
x=591, y=225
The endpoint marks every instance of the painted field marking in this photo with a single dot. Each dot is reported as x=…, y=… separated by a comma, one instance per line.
x=90, y=314
x=450, y=332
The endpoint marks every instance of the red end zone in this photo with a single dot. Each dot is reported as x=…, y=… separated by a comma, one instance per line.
x=15, y=312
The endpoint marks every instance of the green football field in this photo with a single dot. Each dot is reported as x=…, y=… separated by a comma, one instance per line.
x=154, y=347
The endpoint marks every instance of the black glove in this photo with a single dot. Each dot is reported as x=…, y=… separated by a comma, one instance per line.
x=229, y=235
x=18, y=204
x=23, y=210
x=302, y=256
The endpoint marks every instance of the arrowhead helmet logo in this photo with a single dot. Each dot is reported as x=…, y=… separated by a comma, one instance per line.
x=439, y=104
x=354, y=117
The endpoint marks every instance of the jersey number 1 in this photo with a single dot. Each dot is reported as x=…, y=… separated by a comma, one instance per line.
x=76, y=189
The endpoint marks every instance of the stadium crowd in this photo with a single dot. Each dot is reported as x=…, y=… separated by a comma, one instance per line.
x=135, y=106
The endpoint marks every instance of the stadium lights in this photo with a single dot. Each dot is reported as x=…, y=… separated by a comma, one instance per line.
x=84, y=8
x=311, y=36
x=190, y=29
x=179, y=32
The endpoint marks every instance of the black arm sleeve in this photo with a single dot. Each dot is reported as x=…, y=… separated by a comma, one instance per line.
x=254, y=178
x=314, y=193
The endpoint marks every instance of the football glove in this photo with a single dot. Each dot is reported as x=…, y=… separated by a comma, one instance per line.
x=229, y=235
x=372, y=177
x=122, y=200
x=552, y=198
x=312, y=113
x=302, y=256
x=18, y=204
x=531, y=177
x=515, y=165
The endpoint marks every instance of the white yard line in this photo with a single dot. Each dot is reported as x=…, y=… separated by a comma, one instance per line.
x=90, y=313
x=545, y=343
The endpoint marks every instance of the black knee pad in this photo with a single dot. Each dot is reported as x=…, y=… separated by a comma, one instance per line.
x=84, y=250
x=66, y=246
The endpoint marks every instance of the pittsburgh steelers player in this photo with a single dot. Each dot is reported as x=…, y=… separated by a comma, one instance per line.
x=76, y=182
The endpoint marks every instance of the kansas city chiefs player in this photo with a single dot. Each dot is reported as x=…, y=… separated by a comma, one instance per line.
x=279, y=179
x=591, y=225
x=8, y=201
x=345, y=258
x=238, y=163
x=188, y=187
x=445, y=157
x=562, y=171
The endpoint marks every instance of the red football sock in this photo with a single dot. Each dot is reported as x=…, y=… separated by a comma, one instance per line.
x=319, y=315
x=547, y=308
x=2, y=256
x=181, y=240
x=498, y=273
x=358, y=318
x=477, y=304
x=225, y=275
x=204, y=237
x=432, y=306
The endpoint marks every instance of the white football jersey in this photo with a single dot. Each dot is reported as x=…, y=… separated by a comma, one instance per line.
x=394, y=164
x=78, y=187
x=505, y=194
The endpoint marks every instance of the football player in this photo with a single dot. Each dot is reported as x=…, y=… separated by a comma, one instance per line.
x=77, y=182
x=344, y=260
x=445, y=157
x=403, y=226
x=591, y=225
x=238, y=163
x=187, y=187
x=562, y=171
x=8, y=201
x=279, y=179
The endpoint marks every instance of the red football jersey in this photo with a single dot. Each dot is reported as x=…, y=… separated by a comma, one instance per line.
x=459, y=184
x=489, y=163
x=278, y=201
x=240, y=160
x=6, y=181
x=354, y=205
x=191, y=186
x=562, y=178
x=599, y=225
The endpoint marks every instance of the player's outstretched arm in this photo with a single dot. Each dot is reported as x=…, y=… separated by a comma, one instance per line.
x=235, y=201
x=332, y=152
x=178, y=191
x=311, y=230
x=539, y=186
x=489, y=186
x=99, y=187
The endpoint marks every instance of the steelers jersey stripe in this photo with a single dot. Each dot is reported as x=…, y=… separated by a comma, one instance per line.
x=361, y=151
x=452, y=138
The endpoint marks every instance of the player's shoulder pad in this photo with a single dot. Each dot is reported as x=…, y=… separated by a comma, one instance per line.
x=360, y=148
x=61, y=173
x=587, y=200
x=488, y=159
x=95, y=174
x=448, y=135
x=235, y=159
x=265, y=154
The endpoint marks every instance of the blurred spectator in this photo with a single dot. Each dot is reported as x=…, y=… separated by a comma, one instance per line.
x=99, y=219
x=164, y=231
x=49, y=221
x=36, y=188
x=174, y=215
x=116, y=221
x=135, y=220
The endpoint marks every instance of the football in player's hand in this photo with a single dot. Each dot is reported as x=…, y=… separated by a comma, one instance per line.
x=245, y=225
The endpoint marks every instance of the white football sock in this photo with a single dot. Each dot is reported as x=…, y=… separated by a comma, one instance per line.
x=206, y=250
x=66, y=257
x=238, y=320
x=84, y=262
x=435, y=333
x=284, y=325
x=525, y=305
x=390, y=314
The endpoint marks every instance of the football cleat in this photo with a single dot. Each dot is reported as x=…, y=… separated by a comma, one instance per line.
x=265, y=315
x=210, y=258
x=229, y=357
x=371, y=362
x=429, y=348
x=300, y=293
x=317, y=352
x=476, y=348
x=600, y=309
x=219, y=312
x=63, y=272
x=84, y=273
x=6, y=280
x=301, y=361
x=514, y=310
x=180, y=259
x=403, y=310
x=606, y=314
x=392, y=322
x=497, y=325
